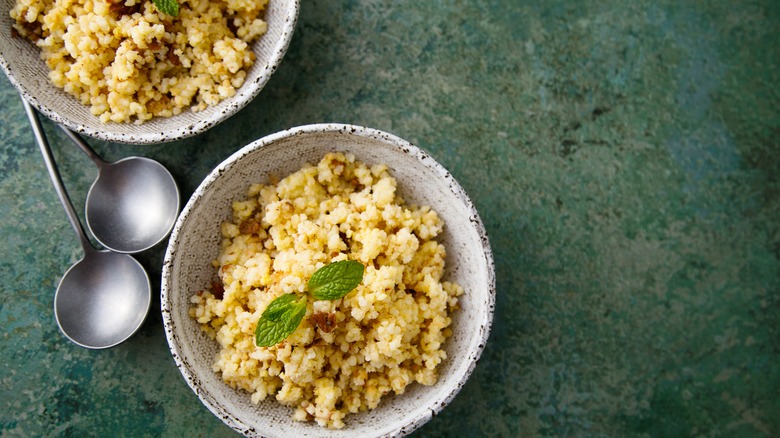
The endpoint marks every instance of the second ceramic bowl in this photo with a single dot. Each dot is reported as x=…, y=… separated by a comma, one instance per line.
x=195, y=242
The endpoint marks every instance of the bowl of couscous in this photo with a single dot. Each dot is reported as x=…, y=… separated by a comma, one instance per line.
x=383, y=356
x=125, y=71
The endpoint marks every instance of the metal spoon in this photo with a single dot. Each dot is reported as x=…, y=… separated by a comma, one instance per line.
x=133, y=203
x=104, y=298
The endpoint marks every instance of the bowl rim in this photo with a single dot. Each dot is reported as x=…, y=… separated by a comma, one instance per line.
x=244, y=94
x=421, y=416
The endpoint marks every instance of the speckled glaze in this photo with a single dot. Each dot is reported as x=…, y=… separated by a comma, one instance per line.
x=22, y=64
x=196, y=239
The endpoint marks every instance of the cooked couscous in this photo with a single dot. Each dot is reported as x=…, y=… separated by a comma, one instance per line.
x=130, y=62
x=347, y=354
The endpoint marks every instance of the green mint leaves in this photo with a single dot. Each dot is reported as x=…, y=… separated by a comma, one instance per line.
x=335, y=280
x=169, y=7
x=285, y=313
x=280, y=319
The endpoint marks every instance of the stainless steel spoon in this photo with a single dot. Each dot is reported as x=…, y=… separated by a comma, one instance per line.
x=104, y=298
x=133, y=203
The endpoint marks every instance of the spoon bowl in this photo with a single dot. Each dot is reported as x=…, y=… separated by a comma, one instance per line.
x=133, y=203
x=104, y=298
x=97, y=304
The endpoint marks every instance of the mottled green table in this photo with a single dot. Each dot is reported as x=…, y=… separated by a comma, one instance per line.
x=624, y=156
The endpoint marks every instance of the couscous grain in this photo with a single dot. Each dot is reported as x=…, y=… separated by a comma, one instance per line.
x=130, y=62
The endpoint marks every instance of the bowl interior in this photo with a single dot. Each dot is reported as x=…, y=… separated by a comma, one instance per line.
x=21, y=62
x=195, y=243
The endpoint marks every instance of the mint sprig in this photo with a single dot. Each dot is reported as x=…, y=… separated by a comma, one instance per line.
x=169, y=7
x=285, y=313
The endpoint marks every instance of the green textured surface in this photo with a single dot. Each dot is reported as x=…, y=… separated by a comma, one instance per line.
x=624, y=157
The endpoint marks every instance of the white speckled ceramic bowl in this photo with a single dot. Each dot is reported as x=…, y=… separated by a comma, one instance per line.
x=195, y=242
x=20, y=60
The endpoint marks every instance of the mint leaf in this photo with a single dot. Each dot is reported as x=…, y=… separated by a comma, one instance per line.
x=170, y=7
x=279, y=306
x=280, y=319
x=335, y=280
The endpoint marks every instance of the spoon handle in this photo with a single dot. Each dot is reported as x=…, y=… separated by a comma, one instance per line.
x=82, y=144
x=54, y=174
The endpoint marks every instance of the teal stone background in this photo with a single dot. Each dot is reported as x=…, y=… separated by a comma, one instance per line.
x=623, y=155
